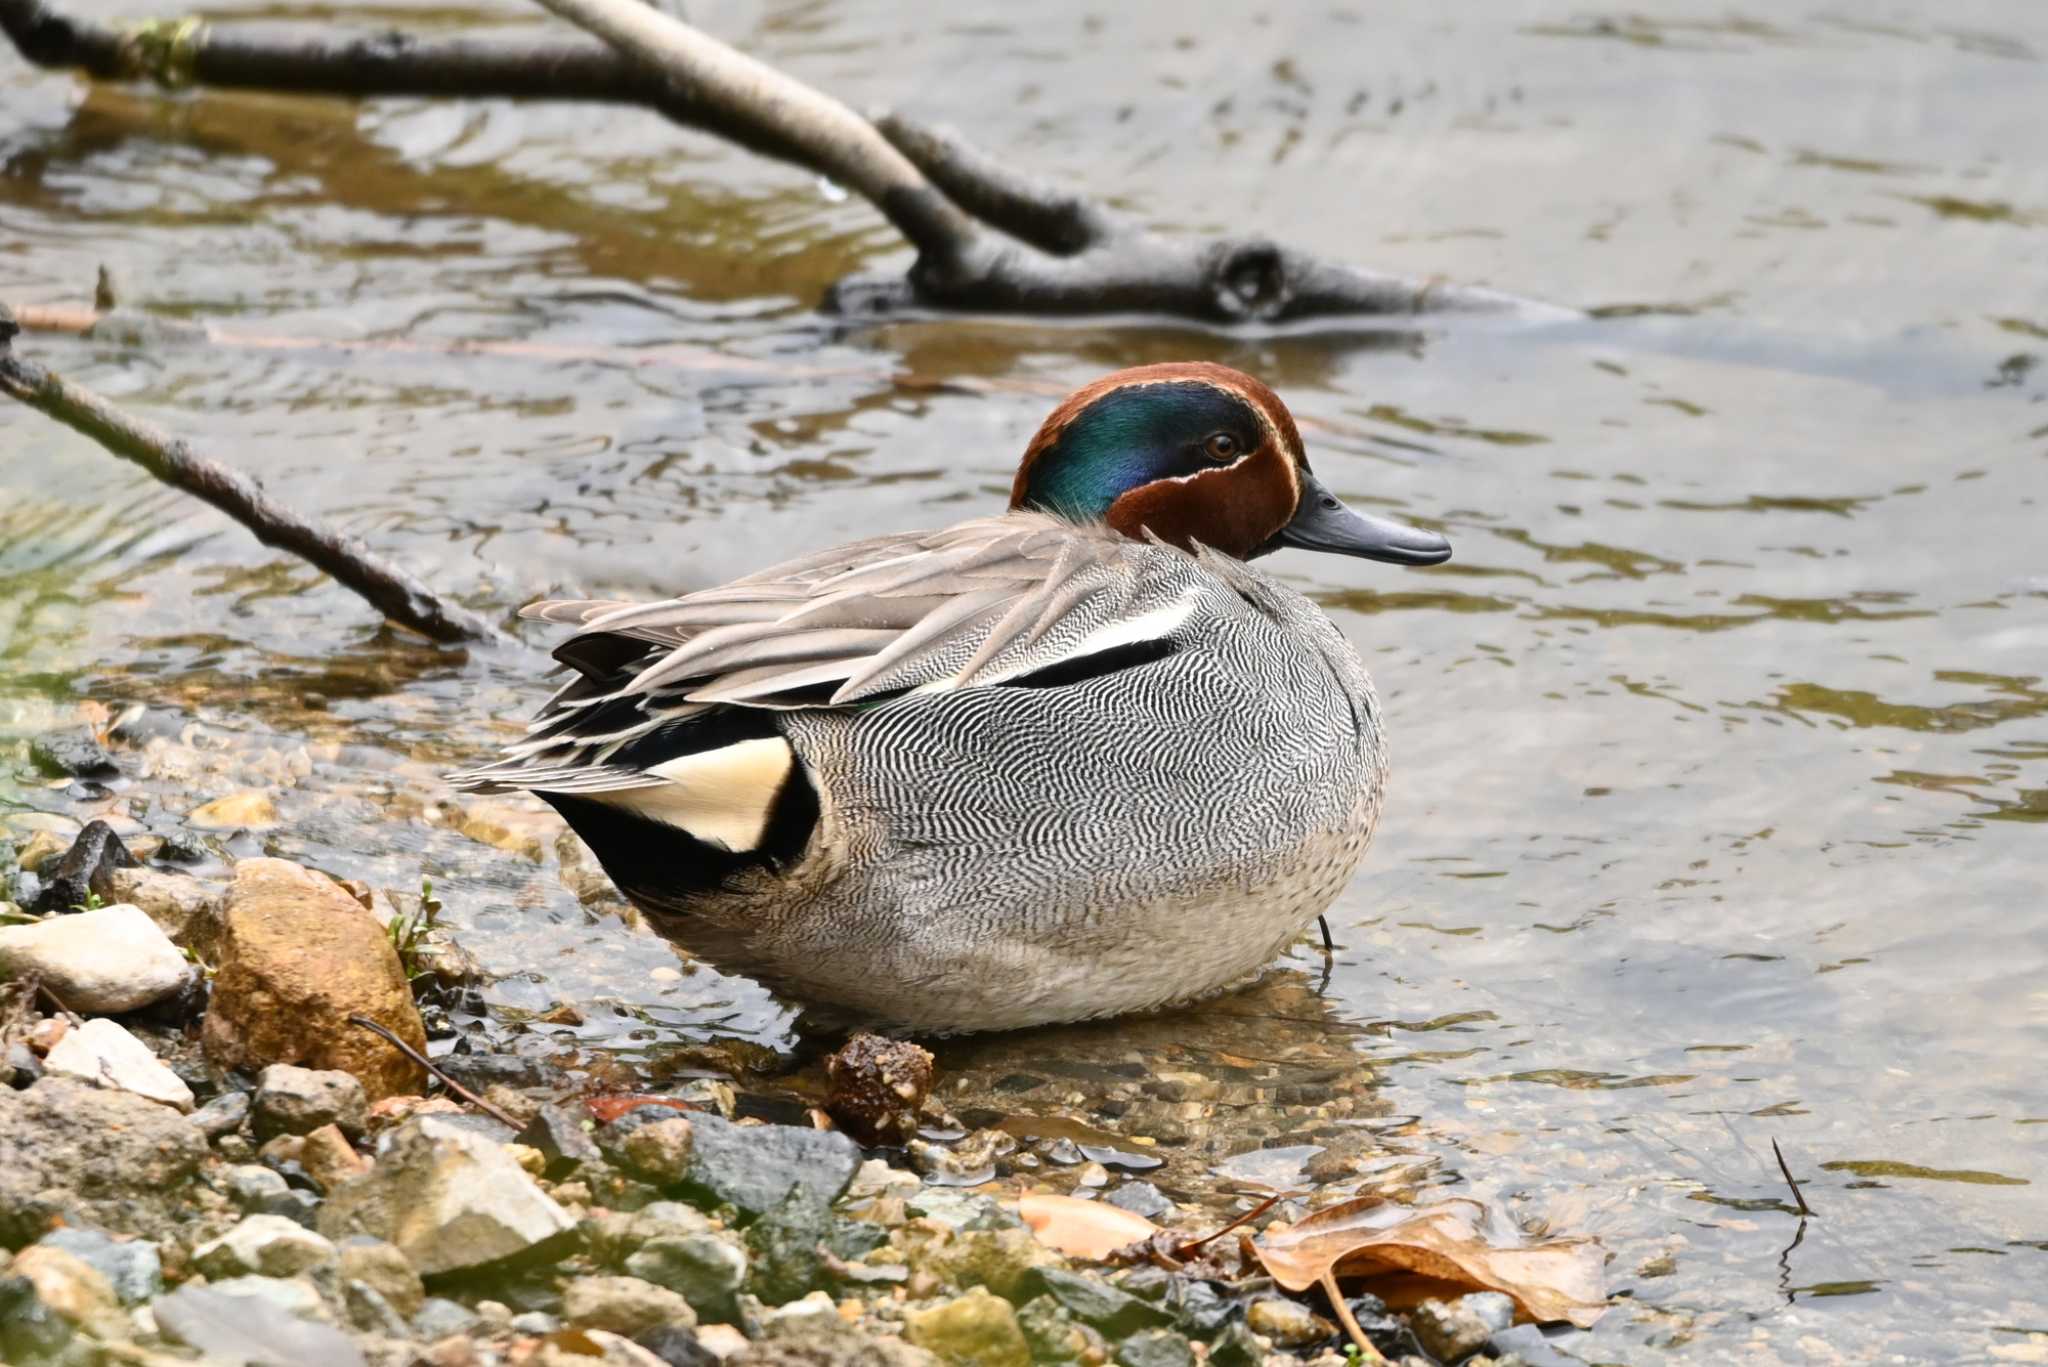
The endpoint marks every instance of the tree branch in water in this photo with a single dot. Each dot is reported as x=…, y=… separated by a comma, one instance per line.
x=389, y=589
x=987, y=237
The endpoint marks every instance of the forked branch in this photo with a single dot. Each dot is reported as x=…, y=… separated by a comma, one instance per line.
x=988, y=238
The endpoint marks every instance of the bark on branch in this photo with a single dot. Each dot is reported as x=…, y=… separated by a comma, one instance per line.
x=987, y=237
x=386, y=587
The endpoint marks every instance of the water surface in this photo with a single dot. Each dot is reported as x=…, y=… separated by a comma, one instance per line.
x=1720, y=810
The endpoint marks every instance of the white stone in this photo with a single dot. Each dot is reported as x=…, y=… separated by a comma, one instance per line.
x=264, y=1246
x=102, y=1052
x=448, y=1197
x=111, y=959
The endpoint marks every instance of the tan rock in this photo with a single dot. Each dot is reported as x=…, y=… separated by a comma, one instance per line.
x=67, y=1284
x=521, y=829
x=184, y=908
x=248, y=810
x=330, y=1159
x=298, y=956
x=42, y=847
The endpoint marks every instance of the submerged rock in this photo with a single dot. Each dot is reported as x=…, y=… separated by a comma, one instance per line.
x=298, y=956
x=110, y=959
x=103, y=1053
x=249, y=810
x=71, y=754
x=450, y=1199
x=92, y=1156
x=879, y=1088
x=292, y=1100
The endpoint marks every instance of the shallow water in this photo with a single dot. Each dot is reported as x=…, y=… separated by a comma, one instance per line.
x=1721, y=799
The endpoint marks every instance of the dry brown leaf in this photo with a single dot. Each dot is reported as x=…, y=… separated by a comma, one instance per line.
x=1458, y=1241
x=1082, y=1229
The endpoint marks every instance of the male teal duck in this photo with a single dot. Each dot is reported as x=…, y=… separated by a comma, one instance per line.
x=1076, y=760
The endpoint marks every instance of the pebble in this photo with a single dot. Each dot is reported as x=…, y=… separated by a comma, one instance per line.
x=237, y=1322
x=329, y=1159
x=438, y=1318
x=1156, y=1348
x=755, y=1167
x=562, y=1138
x=1289, y=1324
x=966, y=1163
x=292, y=1100
x=658, y=1152
x=383, y=1268
x=110, y=959
x=102, y=1053
x=624, y=1305
x=42, y=847
x=185, y=909
x=71, y=754
x=974, y=1330
x=1454, y=1330
x=1142, y=1198
x=449, y=1198
x=248, y=810
x=66, y=1283
x=132, y=1267
x=1092, y=1175
x=264, y=1246
x=222, y=1115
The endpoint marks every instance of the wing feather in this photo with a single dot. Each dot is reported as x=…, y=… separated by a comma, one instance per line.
x=976, y=603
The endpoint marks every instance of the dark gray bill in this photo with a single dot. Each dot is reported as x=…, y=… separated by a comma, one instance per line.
x=1323, y=523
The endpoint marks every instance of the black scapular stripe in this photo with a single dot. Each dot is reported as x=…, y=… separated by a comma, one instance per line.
x=1094, y=665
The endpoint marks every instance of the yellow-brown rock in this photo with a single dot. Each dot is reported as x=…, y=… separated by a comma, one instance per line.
x=298, y=956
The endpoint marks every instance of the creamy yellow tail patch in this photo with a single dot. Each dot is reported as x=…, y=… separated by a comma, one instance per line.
x=722, y=796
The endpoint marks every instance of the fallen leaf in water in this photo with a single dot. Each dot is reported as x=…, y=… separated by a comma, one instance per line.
x=609, y=1107
x=1458, y=1242
x=1082, y=1229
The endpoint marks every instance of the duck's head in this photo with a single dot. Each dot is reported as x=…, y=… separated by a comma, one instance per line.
x=1194, y=452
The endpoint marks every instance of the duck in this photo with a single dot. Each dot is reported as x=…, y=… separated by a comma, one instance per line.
x=1074, y=760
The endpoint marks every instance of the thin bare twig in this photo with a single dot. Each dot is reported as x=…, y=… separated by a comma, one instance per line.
x=1194, y=1246
x=393, y=591
x=1366, y=1350
x=1797, y=1194
x=446, y=1081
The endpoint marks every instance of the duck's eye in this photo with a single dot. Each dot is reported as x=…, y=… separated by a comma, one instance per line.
x=1220, y=446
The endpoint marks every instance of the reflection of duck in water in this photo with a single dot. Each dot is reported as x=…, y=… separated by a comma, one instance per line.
x=1073, y=761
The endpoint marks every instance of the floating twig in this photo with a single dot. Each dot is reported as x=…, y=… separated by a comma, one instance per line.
x=446, y=1081
x=395, y=592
